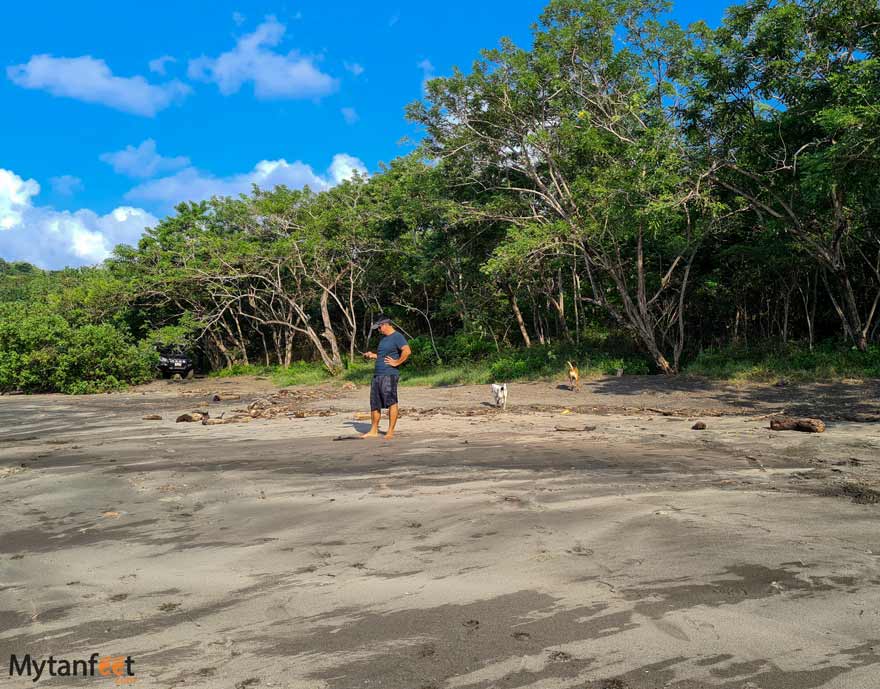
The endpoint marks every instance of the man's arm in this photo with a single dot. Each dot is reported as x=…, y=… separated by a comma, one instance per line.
x=405, y=351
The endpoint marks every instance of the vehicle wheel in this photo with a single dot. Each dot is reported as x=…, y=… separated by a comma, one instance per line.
x=165, y=375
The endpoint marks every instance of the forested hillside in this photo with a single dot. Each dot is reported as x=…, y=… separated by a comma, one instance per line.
x=623, y=186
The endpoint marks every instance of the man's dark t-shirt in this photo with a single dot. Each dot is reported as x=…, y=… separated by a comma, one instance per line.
x=390, y=345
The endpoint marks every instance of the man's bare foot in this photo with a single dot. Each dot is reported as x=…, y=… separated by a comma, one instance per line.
x=388, y=436
x=371, y=434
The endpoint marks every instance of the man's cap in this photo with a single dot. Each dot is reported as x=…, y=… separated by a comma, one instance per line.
x=381, y=320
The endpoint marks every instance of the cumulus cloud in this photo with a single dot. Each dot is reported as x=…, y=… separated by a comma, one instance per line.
x=143, y=160
x=273, y=74
x=66, y=185
x=53, y=239
x=345, y=167
x=191, y=184
x=354, y=68
x=15, y=196
x=350, y=115
x=90, y=80
x=158, y=65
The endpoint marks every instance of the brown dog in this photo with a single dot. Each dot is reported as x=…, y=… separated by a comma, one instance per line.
x=574, y=377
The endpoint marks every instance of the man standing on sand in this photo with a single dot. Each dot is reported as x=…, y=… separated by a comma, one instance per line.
x=392, y=351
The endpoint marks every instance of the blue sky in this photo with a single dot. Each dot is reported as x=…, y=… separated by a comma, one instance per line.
x=113, y=112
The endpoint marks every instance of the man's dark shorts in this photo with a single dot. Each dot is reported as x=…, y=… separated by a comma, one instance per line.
x=383, y=392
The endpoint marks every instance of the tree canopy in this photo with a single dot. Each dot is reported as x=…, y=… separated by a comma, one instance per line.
x=678, y=188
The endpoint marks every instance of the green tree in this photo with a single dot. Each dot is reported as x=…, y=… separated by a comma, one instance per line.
x=576, y=142
x=785, y=104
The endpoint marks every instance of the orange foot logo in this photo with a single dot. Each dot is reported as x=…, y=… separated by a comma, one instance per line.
x=118, y=666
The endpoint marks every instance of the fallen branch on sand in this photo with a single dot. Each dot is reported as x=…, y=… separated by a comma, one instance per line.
x=804, y=425
x=225, y=396
x=662, y=412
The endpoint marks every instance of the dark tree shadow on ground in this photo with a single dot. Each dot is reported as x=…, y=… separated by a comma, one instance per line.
x=815, y=398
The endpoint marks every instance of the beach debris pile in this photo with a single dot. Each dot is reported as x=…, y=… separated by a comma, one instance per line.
x=284, y=403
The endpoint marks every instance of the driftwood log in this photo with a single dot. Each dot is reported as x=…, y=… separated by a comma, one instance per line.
x=783, y=423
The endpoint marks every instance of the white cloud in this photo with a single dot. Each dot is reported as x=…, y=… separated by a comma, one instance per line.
x=191, y=184
x=238, y=18
x=427, y=73
x=66, y=185
x=90, y=80
x=274, y=75
x=158, y=65
x=394, y=19
x=350, y=115
x=345, y=167
x=53, y=239
x=15, y=197
x=143, y=160
x=354, y=67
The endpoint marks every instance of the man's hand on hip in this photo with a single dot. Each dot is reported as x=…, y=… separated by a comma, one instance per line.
x=371, y=355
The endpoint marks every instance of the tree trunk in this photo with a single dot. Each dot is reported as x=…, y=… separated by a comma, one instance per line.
x=809, y=311
x=352, y=345
x=241, y=341
x=306, y=328
x=327, y=359
x=650, y=342
x=288, y=348
x=855, y=327
x=576, y=291
x=785, y=309
x=328, y=333
x=218, y=342
x=276, y=345
x=519, y=319
x=265, y=348
x=536, y=320
x=214, y=355
x=232, y=339
x=559, y=308
x=679, y=344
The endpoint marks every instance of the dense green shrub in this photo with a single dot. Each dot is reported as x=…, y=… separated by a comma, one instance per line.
x=828, y=360
x=41, y=352
x=544, y=361
x=463, y=347
x=423, y=352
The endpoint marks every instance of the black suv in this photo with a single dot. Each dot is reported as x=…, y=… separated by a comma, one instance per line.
x=175, y=361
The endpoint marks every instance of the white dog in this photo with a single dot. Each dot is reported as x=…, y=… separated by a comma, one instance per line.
x=499, y=392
